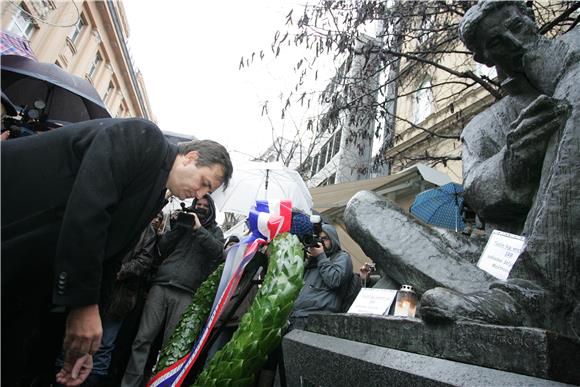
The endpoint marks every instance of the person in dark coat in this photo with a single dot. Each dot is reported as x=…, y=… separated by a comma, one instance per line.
x=193, y=252
x=74, y=201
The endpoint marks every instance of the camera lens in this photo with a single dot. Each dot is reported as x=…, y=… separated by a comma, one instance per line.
x=307, y=239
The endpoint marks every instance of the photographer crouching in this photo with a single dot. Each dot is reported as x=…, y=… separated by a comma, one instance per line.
x=327, y=272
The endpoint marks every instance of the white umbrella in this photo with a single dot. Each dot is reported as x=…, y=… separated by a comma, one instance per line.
x=262, y=181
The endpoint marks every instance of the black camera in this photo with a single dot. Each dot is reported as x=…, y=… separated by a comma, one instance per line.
x=309, y=240
x=26, y=120
x=185, y=217
x=313, y=240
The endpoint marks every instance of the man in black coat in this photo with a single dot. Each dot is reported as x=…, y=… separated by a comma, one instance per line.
x=75, y=200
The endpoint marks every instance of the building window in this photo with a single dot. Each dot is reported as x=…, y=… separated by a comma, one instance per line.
x=94, y=65
x=422, y=102
x=322, y=159
x=314, y=166
x=76, y=30
x=333, y=146
x=109, y=91
x=331, y=179
x=22, y=24
x=123, y=110
x=328, y=181
x=336, y=146
x=327, y=152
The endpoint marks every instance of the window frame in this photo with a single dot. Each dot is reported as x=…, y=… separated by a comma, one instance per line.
x=16, y=28
x=77, y=30
x=94, y=65
x=336, y=137
x=323, y=153
x=110, y=90
x=422, y=101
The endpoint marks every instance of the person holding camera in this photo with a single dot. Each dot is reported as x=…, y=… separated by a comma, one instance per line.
x=327, y=273
x=193, y=249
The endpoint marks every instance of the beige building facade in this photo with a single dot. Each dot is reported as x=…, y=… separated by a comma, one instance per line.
x=443, y=111
x=87, y=39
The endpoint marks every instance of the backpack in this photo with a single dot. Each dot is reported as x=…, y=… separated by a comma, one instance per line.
x=352, y=289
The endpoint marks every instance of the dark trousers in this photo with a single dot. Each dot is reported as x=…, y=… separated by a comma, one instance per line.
x=164, y=307
x=31, y=332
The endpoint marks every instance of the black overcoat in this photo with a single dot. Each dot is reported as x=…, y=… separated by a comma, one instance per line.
x=77, y=197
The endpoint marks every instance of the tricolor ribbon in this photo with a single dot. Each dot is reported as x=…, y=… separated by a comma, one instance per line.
x=267, y=219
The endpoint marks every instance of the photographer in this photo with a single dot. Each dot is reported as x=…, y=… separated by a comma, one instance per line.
x=193, y=249
x=327, y=273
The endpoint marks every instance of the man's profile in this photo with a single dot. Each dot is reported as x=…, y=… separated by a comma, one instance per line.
x=75, y=200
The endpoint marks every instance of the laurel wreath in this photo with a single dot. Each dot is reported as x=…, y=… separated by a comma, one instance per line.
x=260, y=330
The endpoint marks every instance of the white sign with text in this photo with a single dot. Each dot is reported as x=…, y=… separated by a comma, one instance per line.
x=373, y=301
x=500, y=253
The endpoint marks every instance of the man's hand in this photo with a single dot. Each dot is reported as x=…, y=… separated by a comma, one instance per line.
x=196, y=223
x=315, y=251
x=365, y=270
x=77, y=374
x=82, y=336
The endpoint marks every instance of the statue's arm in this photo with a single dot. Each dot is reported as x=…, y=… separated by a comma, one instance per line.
x=503, y=152
x=488, y=189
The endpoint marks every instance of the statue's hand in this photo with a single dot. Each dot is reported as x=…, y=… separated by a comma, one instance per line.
x=528, y=137
x=536, y=122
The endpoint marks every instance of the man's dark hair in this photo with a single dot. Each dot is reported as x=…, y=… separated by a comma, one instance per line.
x=210, y=153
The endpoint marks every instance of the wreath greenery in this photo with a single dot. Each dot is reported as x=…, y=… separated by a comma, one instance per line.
x=260, y=329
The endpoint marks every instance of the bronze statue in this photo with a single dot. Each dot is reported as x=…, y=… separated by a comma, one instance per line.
x=521, y=162
x=530, y=183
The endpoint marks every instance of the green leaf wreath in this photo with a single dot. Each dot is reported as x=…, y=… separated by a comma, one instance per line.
x=260, y=329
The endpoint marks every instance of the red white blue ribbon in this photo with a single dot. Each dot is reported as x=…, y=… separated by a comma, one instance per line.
x=267, y=219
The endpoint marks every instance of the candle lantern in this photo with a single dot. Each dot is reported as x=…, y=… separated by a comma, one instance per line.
x=406, y=303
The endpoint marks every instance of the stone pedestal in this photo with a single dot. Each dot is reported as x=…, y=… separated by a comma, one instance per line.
x=340, y=349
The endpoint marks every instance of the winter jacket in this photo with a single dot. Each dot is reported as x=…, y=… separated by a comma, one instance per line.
x=134, y=275
x=325, y=279
x=191, y=255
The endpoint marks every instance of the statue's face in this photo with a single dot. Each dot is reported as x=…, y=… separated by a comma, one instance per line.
x=505, y=36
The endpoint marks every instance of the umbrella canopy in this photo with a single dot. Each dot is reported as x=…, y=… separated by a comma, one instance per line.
x=441, y=206
x=262, y=181
x=68, y=97
x=15, y=45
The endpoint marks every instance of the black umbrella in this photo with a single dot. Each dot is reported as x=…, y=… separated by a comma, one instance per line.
x=67, y=97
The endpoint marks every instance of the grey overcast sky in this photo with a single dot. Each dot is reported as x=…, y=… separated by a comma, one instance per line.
x=189, y=53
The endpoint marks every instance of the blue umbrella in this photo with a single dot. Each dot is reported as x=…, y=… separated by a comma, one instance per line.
x=441, y=206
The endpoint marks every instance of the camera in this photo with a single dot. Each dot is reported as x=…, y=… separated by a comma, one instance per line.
x=313, y=240
x=185, y=217
x=26, y=120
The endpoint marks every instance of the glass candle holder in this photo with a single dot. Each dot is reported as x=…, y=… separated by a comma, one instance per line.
x=406, y=303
